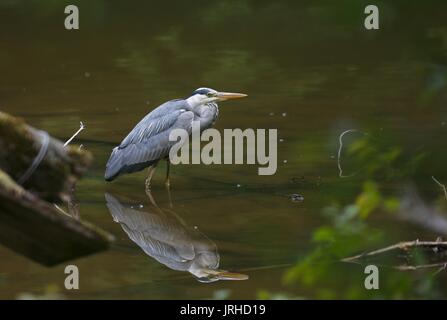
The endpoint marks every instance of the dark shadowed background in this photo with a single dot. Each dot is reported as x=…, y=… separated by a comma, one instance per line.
x=312, y=71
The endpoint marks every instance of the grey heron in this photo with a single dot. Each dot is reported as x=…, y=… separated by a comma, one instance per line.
x=148, y=142
x=163, y=235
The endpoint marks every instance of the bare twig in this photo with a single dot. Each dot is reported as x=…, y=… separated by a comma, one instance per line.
x=441, y=185
x=442, y=266
x=440, y=269
x=402, y=246
x=340, y=139
x=82, y=127
x=61, y=210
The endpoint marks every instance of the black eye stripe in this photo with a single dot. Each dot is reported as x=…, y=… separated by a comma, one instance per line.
x=202, y=91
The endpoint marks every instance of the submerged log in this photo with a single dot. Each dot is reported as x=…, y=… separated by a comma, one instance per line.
x=29, y=224
x=51, y=177
x=35, y=229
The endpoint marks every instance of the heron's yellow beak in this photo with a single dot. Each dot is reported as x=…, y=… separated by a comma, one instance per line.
x=226, y=275
x=230, y=95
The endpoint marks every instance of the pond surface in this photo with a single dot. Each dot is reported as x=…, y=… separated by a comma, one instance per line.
x=312, y=72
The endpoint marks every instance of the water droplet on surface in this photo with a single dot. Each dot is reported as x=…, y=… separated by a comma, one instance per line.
x=285, y=161
x=281, y=140
x=87, y=74
x=271, y=114
x=238, y=185
x=284, y=114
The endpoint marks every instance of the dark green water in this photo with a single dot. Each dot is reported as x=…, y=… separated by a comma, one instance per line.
x=311, y=71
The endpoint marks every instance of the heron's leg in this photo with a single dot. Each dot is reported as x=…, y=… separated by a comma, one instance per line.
x=167, y=182
x=151, y=198
x=150, y=173
x=168, y=166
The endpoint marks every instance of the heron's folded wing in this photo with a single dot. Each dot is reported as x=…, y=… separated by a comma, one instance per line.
x=156, y=235
x=159, y=120
x=146, y=146
x=156, y=146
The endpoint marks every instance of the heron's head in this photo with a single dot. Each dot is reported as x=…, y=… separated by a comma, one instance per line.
x=206, y=95
x=205, y=268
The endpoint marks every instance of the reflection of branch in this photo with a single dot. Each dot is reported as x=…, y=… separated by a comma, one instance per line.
x=441, y=185
x=61, y=210
x=423, y=266
x=340, y=139
x=435, y=245
x=72, y=204
x=81, y=127
x=441, y=269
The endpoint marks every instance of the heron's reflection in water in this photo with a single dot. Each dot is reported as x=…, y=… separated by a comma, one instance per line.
x=164, y=236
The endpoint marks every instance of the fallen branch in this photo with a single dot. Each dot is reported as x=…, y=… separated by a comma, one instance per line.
x=435, y=245
x=38, y=162
x=37, y=230
x=441, y=185
x=442, y=266
x=45, y=170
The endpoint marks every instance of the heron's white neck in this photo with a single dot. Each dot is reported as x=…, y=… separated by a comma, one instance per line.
x=195, y=100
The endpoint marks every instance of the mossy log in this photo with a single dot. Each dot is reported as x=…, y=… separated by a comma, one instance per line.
x=35, y=229
x=29, y=224
x=59, y=169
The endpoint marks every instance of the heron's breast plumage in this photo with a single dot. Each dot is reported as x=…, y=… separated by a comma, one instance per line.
x=207, y=115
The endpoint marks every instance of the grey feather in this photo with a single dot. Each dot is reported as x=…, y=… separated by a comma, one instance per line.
x=149, y=141
x=159, y=120
x=164, y=237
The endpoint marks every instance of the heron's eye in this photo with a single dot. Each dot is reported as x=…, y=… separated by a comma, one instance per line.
x=210, y=94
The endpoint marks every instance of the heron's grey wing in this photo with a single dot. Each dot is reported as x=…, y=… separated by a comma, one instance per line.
x=158, y=120
x=147, y=146
x=156, y=235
